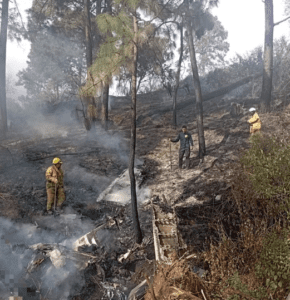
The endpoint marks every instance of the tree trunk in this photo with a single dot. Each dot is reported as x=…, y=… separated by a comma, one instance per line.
x=197, y=88
x=177, y=76
x=136, y=224
x=3, y=44
x=105, y=106
x=106, y=87
x=140, y=80
x=89, y=44
x=99, y=7
x=88, y=38
x=268, y=57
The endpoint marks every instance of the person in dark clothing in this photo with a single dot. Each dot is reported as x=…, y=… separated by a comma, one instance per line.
x=186, y=141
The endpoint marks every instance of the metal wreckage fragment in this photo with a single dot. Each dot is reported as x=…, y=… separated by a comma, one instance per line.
x=90, y=238
x=58, y=254
x=167, y=241
x=167, y=238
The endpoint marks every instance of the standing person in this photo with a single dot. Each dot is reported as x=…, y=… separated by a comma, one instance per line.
x=255, y=122
x=54, y=185
x=186, y=141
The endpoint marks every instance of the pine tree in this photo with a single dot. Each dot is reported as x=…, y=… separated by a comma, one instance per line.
x=193, y=12
x=177, y=77
x=121, y=50
x=266, y=93
x=268, y=57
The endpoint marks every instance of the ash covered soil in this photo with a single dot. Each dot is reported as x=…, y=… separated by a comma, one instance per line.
x=91, y=161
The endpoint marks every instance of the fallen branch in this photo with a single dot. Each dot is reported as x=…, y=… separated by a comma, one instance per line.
x=136, y=290
x=203, y=294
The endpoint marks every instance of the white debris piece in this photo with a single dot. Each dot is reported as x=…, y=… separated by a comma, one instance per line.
x=89, y=238
x=218, y=197
x=58, y=255
x=119, y=191
x=139, y=291
x=57, y=259
x=124, y=256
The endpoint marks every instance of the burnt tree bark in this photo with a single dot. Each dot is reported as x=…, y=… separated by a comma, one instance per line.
x=3, y=45
x=268, y=57
x=88, y=37
x=136, y=224
x=105, y=106
x=89, y=48
x=106, y=87
x=98, y=7
x=197, y=87
x=177, y=76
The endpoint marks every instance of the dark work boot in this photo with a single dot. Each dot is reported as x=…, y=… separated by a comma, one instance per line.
x=58, y=210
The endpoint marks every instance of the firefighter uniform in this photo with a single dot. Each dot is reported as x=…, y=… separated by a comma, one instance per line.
x=53, y=175
x=255, y=123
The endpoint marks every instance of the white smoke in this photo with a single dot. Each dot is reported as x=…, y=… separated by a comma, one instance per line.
x=15, y=256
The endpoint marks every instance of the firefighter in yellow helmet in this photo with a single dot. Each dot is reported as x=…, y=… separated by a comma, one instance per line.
x=255, y=122
x=54, y=185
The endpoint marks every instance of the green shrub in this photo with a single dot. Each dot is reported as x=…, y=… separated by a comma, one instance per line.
x=273, y=268
x=243, y=290
x=268, y=165
x=274, y=263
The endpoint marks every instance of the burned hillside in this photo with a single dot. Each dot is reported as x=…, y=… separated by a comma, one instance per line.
x=112, y=264
x=140, y=156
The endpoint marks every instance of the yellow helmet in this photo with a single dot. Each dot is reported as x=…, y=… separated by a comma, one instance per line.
x=56, y=160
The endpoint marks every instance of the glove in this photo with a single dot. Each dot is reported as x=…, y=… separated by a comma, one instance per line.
x=55, y=181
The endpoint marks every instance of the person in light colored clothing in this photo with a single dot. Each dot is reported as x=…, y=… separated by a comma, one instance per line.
x=54, y=185
x=254, y=121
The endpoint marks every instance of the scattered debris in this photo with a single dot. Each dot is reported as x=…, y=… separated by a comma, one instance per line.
x=58, y=255
x=167, y=239
x=91, y=238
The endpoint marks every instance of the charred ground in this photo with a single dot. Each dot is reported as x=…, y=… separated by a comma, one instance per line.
x=93, y=159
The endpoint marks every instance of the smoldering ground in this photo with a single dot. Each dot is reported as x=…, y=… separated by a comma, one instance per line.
x=15, y=240
x=57, y=133
x=35, y=139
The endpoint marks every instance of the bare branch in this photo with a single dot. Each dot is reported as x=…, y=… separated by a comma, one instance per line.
x=275, y=24
x=20, y=15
